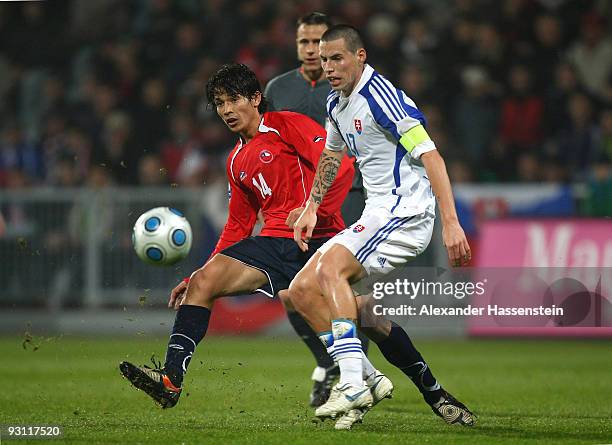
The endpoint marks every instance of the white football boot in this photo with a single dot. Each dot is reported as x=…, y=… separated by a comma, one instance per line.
x=381, y=388
x=344, y=398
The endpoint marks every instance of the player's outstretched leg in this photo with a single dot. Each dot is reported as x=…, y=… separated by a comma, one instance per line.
x=221, y=276
x=399, y=351
x=163, y=385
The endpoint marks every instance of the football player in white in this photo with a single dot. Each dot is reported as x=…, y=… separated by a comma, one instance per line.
x=402, y=172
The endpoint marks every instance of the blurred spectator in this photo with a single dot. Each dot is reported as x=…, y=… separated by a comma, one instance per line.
x=61, y=252
x=120, y=154
x=18, y=154
x=155, y=23
x=416, y=83
x=489, y=51
x=65, y=174
x=592, y=54
x=184, y=54
x=515, y=23
x=475, y=115
x=556, y=109
x=96, y=103
x=418, y=43
x=194, y=168
x=528, y=168
x=460, y=172
x=521, y=114
x=382, y=37
x=151, y=115
x=577, y=143
x=183, y=140
x=29, y=33
x=604, y=150
x=151, y=172
x=61, y=142
x=547, y=50
x=599, y=192
x=18, y=241
x=451, y=57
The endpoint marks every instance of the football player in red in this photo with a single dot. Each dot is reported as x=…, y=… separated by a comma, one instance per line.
x=271, y=169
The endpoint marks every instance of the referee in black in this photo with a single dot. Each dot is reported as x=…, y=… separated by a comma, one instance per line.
x=304, y=90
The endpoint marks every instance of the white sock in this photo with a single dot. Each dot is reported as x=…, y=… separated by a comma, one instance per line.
x=348, y=353
x=318, y=375
x=369, y=371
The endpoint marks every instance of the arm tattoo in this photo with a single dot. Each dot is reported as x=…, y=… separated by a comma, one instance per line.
x=324, y=178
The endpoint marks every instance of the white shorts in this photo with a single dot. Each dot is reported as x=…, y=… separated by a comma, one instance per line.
x=382, y=241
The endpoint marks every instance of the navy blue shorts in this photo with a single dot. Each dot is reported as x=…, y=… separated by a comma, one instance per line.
x=279, y=258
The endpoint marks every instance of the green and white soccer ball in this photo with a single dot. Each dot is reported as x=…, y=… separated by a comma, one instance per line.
x=162, y=236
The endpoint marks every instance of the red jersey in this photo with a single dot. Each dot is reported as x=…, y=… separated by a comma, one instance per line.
x=274, y=172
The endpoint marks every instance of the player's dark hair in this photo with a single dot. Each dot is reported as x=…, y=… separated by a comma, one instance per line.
x=235, y=79
x=351, y=36
x=315, y=18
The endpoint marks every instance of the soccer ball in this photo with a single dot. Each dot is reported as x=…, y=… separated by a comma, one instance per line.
x=162, y=236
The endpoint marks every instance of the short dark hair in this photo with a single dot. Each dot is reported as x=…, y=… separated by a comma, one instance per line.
x=235, y=79
x=315, y=18
x=349, y=33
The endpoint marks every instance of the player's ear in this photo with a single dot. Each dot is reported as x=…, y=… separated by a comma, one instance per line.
x=361, y=55
x=256, y=99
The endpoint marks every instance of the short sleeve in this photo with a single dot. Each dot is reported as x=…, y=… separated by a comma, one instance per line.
x=394, y=111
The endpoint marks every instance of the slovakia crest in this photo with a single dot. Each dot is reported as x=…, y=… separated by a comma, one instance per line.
x=358, y=228
x=265, y=156
x=358, y=127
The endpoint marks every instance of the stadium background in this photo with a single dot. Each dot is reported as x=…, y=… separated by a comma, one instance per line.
x=102, y=117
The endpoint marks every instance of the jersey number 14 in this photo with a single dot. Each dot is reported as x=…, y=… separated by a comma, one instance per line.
x=262, y=186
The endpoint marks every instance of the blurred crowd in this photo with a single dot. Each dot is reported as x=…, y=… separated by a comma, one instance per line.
x=107, y=92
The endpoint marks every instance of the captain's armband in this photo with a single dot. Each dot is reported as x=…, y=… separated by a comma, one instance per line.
x=413, y=137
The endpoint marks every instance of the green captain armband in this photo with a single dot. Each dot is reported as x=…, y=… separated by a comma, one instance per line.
x=414, y=137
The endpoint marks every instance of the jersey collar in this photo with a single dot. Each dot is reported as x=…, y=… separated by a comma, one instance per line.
x=263, y=128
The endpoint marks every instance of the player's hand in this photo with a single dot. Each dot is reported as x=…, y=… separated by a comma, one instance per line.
x=307, y=221
x=459, y=253
x=177, y=295
x=293, y=216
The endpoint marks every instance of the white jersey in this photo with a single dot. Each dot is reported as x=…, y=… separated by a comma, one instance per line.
x=370, y=122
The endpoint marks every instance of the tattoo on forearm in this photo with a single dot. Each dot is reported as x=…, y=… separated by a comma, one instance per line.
x=324, y=178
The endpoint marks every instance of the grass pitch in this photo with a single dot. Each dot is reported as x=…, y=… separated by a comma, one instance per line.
x=254, y=391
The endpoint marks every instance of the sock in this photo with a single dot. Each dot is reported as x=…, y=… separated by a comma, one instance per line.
x=368, y=370
x=327, y=338
x=365, y=342
x=308, y=336
x=348, y=352
x=399, y=351
x=189, y=329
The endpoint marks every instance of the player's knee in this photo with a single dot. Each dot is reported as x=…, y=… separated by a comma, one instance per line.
x=285, y=298
x=200, y=285
x=298, y=294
